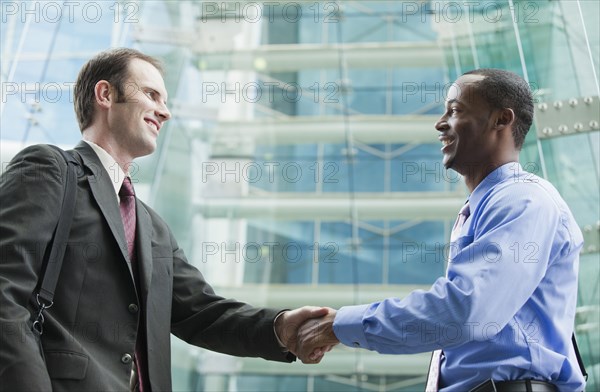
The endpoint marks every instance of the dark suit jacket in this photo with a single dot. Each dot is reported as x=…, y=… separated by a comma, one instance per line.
x=94, y=320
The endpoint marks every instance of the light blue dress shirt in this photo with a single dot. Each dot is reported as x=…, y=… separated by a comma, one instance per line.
x=506, y=308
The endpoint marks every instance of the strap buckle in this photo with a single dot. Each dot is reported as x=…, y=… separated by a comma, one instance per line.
x=38, y=324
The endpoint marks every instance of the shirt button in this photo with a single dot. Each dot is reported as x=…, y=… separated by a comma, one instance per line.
x=133, y=308
x=126, y=358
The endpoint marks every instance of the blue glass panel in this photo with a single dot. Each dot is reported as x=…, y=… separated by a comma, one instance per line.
x=417, y=254
x=284, y=255
x=341, y=262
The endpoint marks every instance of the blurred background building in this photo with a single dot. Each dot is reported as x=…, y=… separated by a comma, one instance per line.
x=301, y=165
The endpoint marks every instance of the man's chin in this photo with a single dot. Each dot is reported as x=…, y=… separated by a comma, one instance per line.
x=146, y=149
x=447, y=161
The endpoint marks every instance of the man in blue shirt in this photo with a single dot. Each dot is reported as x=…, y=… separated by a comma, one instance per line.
x=505, y=309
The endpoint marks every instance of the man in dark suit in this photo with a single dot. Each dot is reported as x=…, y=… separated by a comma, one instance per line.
x=118, y=298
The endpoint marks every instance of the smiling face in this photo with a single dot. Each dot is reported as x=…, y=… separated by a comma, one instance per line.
x=136, y=118
x=466, y=127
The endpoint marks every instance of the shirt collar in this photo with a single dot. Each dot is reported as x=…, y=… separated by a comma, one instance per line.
x=497, y=176
x=112, y=168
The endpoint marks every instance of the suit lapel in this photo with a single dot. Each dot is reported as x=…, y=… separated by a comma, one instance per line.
x=144, y=247
x=103, y=191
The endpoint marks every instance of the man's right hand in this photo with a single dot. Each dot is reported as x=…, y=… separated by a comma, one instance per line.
x=316, y=337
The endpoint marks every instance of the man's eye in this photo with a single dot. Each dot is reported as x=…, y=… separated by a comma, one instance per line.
x=150, y=94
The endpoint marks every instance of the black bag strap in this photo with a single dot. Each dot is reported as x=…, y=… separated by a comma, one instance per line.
x=579, y=360
x=45, y=295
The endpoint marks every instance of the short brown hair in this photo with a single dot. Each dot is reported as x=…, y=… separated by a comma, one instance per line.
x=110, y=65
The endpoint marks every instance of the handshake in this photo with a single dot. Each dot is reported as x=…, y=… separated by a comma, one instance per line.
x=307, y=332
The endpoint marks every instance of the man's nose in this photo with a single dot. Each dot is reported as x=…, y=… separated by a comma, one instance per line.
x=441, y=124
x=163, y=112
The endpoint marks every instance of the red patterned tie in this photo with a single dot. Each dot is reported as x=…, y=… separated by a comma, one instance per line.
x=433, y=377
x=127, y=209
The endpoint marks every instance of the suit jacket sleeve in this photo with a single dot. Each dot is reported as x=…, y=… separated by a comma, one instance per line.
x=201, y=317
x=31, y=193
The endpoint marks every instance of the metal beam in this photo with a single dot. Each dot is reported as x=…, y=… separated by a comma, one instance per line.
x=344, y=361
x=332, y=295
x=295, y=57
x=335, y=207
x=327, y=129
x=574, y=115
x=58, y=56
x=289, y=58
x=341, y=361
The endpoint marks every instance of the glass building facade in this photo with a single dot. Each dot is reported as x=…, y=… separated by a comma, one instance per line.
x=301, y=165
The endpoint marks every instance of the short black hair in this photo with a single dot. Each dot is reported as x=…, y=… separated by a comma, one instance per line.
x=503, y=89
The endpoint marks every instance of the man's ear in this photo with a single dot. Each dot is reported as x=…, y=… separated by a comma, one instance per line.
x=504, y=118
x=104, y=94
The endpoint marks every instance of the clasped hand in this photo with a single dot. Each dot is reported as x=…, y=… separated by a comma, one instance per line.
x=307, y=332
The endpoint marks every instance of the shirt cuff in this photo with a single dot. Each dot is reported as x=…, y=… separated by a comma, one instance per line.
x=281, y=345
x=348, y=326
